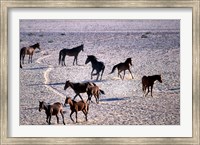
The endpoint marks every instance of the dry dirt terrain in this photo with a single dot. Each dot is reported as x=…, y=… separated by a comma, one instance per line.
x=123, y=103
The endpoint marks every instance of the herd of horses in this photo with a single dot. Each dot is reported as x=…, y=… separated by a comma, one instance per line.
x=88, y=87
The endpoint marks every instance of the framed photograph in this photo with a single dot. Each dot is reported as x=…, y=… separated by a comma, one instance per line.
x=93, y=72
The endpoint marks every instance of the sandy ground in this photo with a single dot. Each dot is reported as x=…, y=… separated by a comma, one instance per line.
x=123, y=102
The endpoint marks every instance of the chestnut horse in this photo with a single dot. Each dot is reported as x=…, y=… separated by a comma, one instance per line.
x=50, y=110
x=28, y=51
x=148, y=81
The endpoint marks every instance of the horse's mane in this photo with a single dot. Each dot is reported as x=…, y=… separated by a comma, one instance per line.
x=92, y=57
x=34, y=45
x=128, y=59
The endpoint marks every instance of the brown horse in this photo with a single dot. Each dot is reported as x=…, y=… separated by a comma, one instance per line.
x=77, y=106
x=148, y=81
x=50, y=110
x=70, y=52
x=77, y=87
x=28, y=51
x=123, y=66
x=95, y=91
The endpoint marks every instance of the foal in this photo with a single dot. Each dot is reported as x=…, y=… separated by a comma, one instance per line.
x=95, y=91
x=77, y=106
x=50, y=110
x=148, y=81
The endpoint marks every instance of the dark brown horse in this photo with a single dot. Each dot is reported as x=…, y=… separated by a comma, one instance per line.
x=123, y=66
x=50, y=110
x=28, y=51
x=77, y=87
x=148, y=81
x=96, y=65
x=70, y=52
x=94, y=90
x=77, y=106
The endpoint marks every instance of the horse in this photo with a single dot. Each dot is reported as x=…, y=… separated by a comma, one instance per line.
x=50, y=110
x=96, y=65
x=123, y=66
x=148, y=81
x=77, y=106
x=28, y=51
x=70, y=52
x=77, y=87
x=95, y=91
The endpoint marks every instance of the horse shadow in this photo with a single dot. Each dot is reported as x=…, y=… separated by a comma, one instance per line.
x=56, y=84
x=114, y=99
x=36, y=68
x=93, y=81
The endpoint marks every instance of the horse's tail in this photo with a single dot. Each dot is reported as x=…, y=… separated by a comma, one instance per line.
x=59, y=57
x=102, y=92
x=21, y=52
x=143, y=83
x=114, y=67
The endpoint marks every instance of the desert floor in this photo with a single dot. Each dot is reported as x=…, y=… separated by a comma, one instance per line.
x=123, y=102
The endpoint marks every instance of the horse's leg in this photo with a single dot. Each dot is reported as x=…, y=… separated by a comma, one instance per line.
x=92, y=72
x=151, y=90
x=97, y=98
x=89, y=97
x=80, y=97
x=75, y=59
x=102, y=72
x=76, y=117
x=97, y=76
x=147, y=91
x=124, y=75
x=63, y=60
x=29, y=59
x=130, y=73
x=61, y=112
x=32, y=58
x=71, y=115
x=85, y=113
x=143, y=89
x=75, y=96
x=57, y=119
x=23, y=58
x=49, y=119
x=119, y=75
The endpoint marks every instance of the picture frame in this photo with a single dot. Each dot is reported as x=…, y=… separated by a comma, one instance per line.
x=6, y=5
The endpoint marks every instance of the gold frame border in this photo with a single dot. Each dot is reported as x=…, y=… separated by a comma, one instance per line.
x=6, y=4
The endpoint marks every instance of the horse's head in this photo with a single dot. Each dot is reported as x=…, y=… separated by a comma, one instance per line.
x=41, y=105
x=90, y=58
x=37, y=45
x=67, y=100
x=66, y=85
x=159, y=78
x=87, y=60
x=129, y=61
x=82, y=47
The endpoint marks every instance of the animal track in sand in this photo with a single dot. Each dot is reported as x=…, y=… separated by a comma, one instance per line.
x=46, y=76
